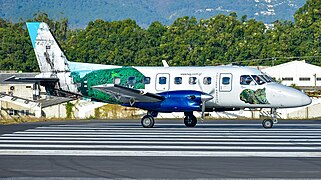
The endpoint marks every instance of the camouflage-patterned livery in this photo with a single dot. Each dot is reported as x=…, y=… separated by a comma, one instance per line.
x=254, y=97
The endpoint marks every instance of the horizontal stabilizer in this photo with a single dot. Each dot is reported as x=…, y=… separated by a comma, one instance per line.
x=128, y=95
x=32, y=80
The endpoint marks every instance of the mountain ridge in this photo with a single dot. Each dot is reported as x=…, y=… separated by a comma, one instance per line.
x=144, y=12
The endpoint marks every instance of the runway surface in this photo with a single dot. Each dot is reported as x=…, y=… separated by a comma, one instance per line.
x=294, y=146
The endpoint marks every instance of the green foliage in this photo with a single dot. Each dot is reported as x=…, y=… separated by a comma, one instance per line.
x=16, y=52
x=221, y=39
x=69, y=109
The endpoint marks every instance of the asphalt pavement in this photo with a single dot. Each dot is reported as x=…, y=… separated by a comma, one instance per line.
x=123, y=149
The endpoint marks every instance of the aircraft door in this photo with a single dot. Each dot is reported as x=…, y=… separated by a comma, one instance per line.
x=162, y=82
x=225, y=82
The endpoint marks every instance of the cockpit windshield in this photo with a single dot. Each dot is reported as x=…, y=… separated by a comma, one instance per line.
x=259, y=80
x=255, y=79
x=268, y=78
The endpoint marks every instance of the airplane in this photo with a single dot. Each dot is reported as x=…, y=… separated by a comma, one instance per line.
x=162, y=89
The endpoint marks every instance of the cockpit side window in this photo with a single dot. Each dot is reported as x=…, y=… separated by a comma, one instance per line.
x=246, y=80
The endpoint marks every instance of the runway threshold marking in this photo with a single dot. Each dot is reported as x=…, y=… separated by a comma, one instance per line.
x=57, y=140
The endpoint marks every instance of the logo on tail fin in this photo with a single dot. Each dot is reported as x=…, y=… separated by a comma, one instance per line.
x=49, y=55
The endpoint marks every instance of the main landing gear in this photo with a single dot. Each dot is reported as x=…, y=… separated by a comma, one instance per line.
x=189, y=119
x=268, y=123
x=148, y=120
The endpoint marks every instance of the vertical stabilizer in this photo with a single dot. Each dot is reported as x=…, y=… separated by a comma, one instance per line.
x=50, y=57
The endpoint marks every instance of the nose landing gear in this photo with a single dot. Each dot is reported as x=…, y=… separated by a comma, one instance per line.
x=268, y=123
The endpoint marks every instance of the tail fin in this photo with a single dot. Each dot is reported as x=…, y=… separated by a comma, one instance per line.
x=49, y=55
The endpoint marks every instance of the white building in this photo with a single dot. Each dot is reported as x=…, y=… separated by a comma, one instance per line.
x=304, y=75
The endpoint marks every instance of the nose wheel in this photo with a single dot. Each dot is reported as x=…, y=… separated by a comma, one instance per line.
x=268, y=123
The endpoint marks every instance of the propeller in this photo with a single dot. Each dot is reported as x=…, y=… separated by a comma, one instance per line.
x=204, y=98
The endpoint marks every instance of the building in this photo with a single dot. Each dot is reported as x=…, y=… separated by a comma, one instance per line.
x=28, y=100
x=22, y=90
x=299, y=73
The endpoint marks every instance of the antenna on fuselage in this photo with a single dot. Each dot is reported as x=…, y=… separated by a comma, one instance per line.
x=165, y=64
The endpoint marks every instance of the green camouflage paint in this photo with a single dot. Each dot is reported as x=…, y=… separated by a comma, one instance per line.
x=106, y=76
x=254, y=97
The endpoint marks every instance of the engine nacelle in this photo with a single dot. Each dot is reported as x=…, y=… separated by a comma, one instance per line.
x=175, y=101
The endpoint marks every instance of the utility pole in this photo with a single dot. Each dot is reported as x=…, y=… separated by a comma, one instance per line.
x=315, y=81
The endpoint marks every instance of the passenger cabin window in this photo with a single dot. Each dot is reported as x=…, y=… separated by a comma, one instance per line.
x=226, y=80
x=207, y=80
x=131, y=80
x=192, y=80
x=146, y=80
x=318, y=78
x=178, y=80
x=162, y=80
x=116, y=80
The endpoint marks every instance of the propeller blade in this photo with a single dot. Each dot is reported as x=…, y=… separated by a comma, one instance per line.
x=204, y=98
x=203, y=109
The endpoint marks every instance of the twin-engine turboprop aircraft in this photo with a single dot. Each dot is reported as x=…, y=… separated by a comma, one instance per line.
x=159, y=89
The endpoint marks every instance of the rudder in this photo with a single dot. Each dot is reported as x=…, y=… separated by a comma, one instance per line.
x=49, y=55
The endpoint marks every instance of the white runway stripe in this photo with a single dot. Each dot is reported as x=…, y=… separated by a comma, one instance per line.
x=128, y=125
x=172, y=134
x=113, y=139
x=182, y=129
x=117, y=139
x=157, y=136
x=162, y=132
x=162, y=142
x=157, y=153
x=144, y=147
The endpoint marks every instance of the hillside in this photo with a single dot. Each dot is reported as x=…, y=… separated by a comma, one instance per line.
x=221, y=39
x=144, y=12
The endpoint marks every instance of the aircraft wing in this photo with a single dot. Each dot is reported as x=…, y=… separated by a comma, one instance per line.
x=128, y=95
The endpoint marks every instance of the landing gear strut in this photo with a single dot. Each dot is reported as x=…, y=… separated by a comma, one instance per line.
x=190, y=120
x=268, y=123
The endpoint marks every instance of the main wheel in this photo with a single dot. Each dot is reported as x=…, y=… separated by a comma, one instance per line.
x=148, y=121
x=267, y=123
x=190, y=121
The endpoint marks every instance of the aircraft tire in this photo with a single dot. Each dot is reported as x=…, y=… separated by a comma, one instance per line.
x=267, y=123
x=148, y=121
x=190, y=121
